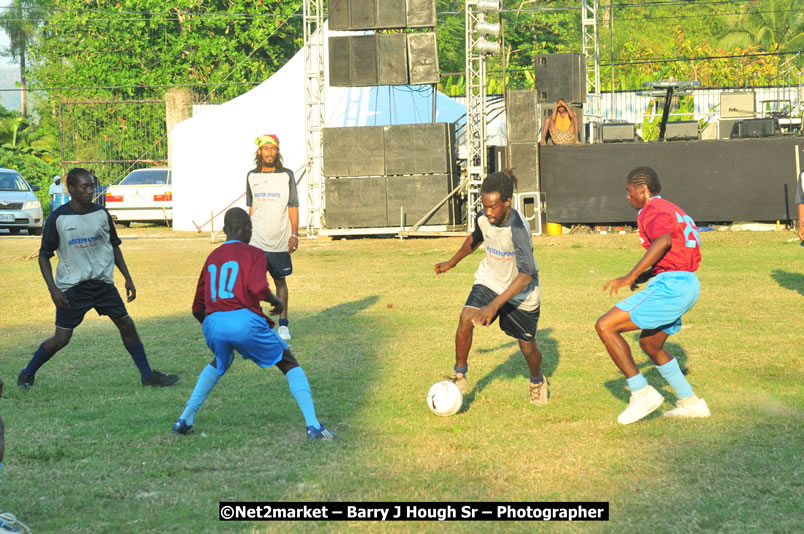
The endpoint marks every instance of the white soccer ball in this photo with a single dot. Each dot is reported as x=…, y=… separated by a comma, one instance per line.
x=444, y=398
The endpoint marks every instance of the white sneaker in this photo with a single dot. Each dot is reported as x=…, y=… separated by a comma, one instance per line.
x=689, y=407
x=284, y=332
x=642, y=403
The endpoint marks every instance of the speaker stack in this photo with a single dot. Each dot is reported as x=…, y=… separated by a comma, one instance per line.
x=382, y=58
x=373, y=171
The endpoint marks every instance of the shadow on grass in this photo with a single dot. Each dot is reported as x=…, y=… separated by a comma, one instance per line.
x=516, y=365
x=791, y=281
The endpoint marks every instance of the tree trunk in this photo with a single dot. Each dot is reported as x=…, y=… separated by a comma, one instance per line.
x=23, y=85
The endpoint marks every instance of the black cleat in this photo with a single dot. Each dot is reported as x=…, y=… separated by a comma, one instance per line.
x=25, y=381
x=158, y=379
x=182, y=428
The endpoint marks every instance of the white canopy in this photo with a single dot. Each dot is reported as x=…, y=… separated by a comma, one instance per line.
x=213, y=152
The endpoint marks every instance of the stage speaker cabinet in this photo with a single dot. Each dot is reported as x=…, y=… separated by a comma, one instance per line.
x=682, y=131
x=356, y=202
x=522, y=116
x=422, y=58
x=362, y=14
x=354, y=151
x=420, y=13
x=737, y=105
x=420, y=148
x=617, y=132
x=560, y=76
x=340, y=52
x=363, y=61
x=524, y=160
x=576, y=108
x=750, y=128
x=418, y=194
x=338, y=14
x=392, y=59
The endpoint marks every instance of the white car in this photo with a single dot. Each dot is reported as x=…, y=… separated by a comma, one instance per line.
x=19, y=207
x=144, y=195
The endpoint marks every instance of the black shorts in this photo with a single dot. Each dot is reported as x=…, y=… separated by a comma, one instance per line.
x=279, y=264
x=87, y=295
x=519, y=324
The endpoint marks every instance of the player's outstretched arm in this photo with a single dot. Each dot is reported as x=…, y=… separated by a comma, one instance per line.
x=56, y=295
x=276, y=302
x=801, y=221
x=467, y=248
x=120, y=262
x=657, y=249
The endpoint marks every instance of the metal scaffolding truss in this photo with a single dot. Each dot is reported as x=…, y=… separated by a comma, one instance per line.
x=476, y=155
x=314, y=113
x=591, y=48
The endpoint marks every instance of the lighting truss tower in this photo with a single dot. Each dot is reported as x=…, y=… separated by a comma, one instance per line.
x=477, y=46
x=314, y=113
x=591, y=48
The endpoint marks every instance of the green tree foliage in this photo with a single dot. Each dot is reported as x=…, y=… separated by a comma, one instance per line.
x=772, y=25
x=19, y=22
x=134, y=49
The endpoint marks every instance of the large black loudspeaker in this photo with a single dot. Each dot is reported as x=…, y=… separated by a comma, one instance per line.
x=420, y=13
x=380, y=14
x=756, y=128
x=419, y=148
x=617, y=133
x=523, y=119
x=362, y=14
x=340, y=61
x=354, y=151
x=417, y=195
x=560, y=76
x=392, y=59
x=356, y=202
x=682, y=131
x=423, y=58
x=524, y=160
x=363, y=61
x=338, y=14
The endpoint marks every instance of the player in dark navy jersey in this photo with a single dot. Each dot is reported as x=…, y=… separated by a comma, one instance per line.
x=227, y=303
x=84, y=236
x=506, y=283
x=673, y=253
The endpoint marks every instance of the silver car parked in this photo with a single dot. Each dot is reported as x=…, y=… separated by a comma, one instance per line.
x=19, y=207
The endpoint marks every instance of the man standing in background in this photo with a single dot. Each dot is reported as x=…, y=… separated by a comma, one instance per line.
x=273, y=204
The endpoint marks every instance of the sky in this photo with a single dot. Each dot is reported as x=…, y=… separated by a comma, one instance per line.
x=8, y=99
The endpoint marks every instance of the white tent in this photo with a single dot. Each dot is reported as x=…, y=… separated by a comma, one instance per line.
x=213, y=152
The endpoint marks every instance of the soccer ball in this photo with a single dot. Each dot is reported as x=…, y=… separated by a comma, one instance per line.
x=444, y=398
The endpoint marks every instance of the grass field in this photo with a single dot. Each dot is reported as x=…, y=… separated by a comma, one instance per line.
x=90, y=450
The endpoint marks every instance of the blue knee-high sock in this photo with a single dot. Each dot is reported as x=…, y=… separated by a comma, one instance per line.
x=137, y=351
x=206, y=381
x=39, y=358
x=672, y=373
x=300, y=389
x=636, y=382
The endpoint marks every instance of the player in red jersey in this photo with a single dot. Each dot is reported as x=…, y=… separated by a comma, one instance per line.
x=673, y=253
x=227, y=302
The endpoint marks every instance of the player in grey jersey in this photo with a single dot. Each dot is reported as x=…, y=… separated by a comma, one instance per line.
x=506, y=282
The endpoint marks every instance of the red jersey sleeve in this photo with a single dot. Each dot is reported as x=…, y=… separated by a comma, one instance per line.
x=258, y=281
x=198, y=301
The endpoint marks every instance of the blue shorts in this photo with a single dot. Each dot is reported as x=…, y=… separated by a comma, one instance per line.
x=247, y=333
x=279, y=264
x=661, y=304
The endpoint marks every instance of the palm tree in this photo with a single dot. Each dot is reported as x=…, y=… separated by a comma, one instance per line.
x=20, y=22
x=772, y=25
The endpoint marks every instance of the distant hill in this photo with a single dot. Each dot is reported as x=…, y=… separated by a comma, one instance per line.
x=9, y=76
